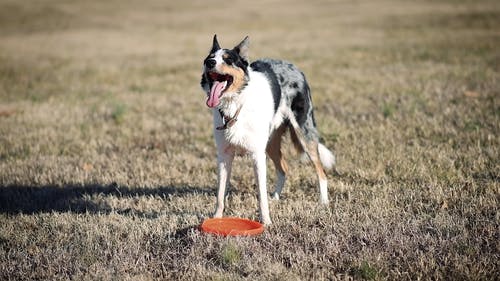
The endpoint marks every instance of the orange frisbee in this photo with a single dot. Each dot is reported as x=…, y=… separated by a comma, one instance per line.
x=232, y=227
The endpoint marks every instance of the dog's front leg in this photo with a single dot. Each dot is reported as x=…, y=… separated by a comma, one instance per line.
x=260, y=175
x=224, y=164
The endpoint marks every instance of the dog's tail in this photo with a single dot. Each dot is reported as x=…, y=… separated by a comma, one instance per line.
x=326, y=156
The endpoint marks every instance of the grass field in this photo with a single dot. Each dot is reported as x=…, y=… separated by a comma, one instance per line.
x=107, y=162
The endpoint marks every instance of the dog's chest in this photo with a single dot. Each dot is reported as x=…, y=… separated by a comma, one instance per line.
x=252, y=127
x=250, y=131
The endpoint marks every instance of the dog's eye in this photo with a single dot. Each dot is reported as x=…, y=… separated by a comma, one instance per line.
x=228, y=60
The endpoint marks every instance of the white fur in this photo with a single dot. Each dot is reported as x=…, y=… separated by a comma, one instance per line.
x=218, y=56
x=249, y=133
x=326, y=156
x=323, y=191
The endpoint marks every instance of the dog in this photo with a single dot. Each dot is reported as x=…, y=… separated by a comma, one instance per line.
x=254, y=105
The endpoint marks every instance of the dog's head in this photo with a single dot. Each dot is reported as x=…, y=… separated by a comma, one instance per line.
x=224, y=72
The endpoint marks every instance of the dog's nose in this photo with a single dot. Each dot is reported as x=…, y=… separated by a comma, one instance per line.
x=210, y=63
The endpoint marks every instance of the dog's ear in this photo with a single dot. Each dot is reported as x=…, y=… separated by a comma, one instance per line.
x=242, y=48
x=215, y=45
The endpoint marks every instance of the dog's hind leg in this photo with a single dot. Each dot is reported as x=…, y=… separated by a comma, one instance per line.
x=305, y=136
x=274, y=152
x=313, y=153
x=312, y=148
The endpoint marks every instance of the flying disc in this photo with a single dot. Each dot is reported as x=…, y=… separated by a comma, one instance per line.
x=232, y=227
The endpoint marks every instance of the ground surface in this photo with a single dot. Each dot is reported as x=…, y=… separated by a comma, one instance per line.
x=107, y=160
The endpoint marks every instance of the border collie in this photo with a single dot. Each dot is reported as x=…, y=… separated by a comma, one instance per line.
x=253, y=105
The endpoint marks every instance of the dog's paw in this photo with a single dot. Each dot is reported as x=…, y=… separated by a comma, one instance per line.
x=324, y=202
x=265, y=220
x=275, y=196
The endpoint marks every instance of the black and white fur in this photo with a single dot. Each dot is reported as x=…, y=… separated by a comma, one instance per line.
x=265, y=98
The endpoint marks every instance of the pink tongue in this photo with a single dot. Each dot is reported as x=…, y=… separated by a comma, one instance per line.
x=215, y=93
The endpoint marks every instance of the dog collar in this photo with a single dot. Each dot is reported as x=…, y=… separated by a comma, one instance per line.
x=228, y=122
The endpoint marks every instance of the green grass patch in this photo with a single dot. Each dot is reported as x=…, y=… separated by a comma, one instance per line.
x=367, y=272
x=388, y=109
x=230, y=255
x=118, y=112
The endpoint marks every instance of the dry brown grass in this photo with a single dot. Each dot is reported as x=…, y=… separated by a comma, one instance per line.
x=107, y=161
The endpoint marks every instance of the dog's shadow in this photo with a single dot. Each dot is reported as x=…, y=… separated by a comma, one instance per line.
x=19, y=199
